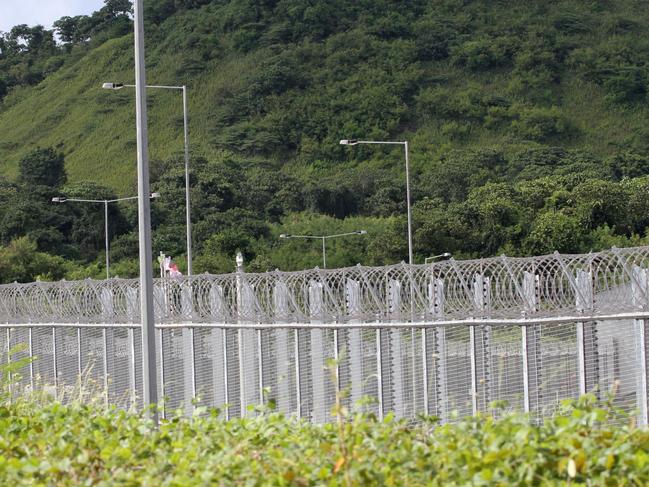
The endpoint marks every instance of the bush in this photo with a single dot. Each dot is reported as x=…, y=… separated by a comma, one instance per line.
x=484, y=53
x=78, y=444
x=539, y=123
x=552, y=231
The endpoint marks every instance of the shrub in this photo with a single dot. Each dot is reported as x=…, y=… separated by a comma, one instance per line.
x=539, y=123
x=77, y=444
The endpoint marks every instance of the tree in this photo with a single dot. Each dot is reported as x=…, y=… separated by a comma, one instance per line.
x=598, y=202
x=71, y=29
x=21, y=261
x=552, y=231
x=116, y=8
x=42, y=167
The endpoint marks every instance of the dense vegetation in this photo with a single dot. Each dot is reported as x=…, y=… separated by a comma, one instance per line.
x=527, y=124
x=46, y=442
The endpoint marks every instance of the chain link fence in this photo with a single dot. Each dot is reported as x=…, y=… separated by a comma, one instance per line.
x=445, y=339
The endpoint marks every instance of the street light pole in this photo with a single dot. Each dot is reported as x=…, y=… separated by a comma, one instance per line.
x=149, y=375
x=408, y=205
x=324, y=239
x=64, y=199
x=106, y=238
x=188, y=221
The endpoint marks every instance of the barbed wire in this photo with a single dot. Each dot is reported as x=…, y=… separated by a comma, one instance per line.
x=612, y=281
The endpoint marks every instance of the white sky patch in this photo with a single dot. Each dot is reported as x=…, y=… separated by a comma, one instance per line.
x=43, y=12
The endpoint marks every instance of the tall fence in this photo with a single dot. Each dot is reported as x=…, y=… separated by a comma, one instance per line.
x=443, y=339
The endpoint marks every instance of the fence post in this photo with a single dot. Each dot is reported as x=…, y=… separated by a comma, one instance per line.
x=379, y=371
x=586, y=333
x=160, y=306
x=640, y=292
x=480, y=337
x=298, y=388
x=79, y=353
x=260, y=367
x=31, y=358
x=396, y=351
x=280, y=302
x=132, y=306
x=108, y=314
x=316, y=303
x=217, y=347
x=531, y=345
x=355, y=350
x=246, y=341
x=436, y=300
x=105, y=360
x=9, y=375
x=226, y=373
x=189, y=365
x=56, y=370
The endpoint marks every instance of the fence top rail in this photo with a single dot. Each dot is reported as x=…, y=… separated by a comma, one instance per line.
x=605, y=282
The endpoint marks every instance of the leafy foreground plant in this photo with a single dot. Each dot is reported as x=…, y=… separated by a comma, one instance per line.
x=43, y=442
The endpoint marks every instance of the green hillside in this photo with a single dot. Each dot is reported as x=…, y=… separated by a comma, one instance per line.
x=527, y=124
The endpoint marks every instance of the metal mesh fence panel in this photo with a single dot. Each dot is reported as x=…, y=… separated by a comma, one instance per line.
x=43, y=365
x=279, y=371
x=209, y=367
x=92, y=360
x=135, y=339
x=121, y=377
x=19, y=345
x=559, y=370
x=358, y=375
x=618, y=363
x=233, y=374
x=67, y=360
x=172, y=356
x=456, y=397
x=506, y=380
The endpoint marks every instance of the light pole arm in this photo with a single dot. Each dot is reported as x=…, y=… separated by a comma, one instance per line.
x=162, y=87
x=381, y=142
x=304, y=236
x=361, y=232
x=83, y=200
x=123, y=199
x=343, y=234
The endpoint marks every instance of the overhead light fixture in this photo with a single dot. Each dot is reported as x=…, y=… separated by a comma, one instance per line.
x=112, y=86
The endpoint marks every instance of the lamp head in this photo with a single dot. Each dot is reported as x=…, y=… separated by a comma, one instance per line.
x=362, y=232
x=284, y=235
x=59, y=199
x=348, y=142
x=446, y=254
x=155, y=195
x=112, y=86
